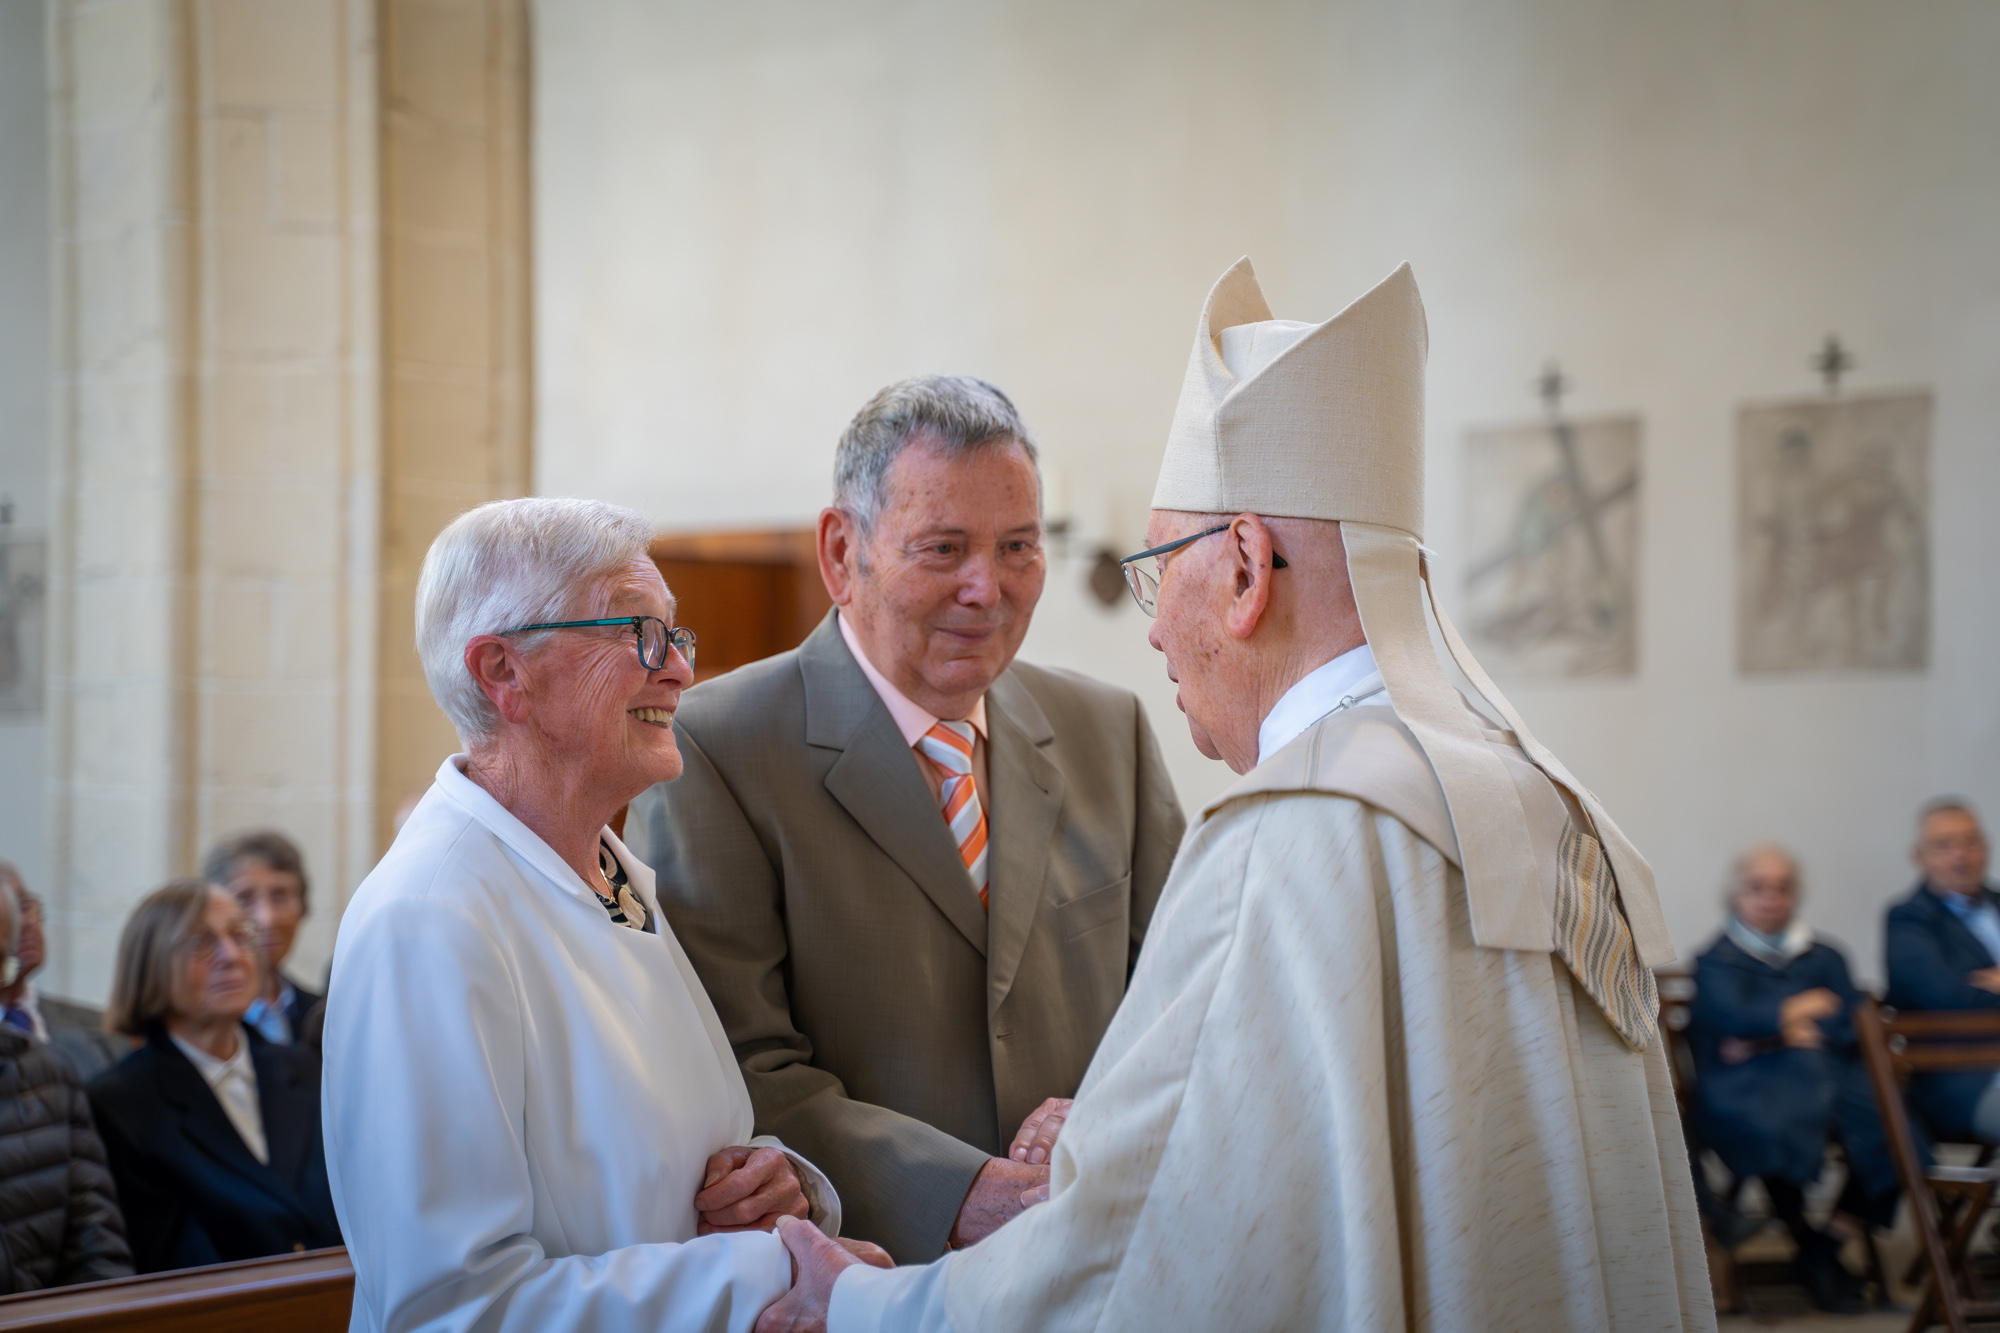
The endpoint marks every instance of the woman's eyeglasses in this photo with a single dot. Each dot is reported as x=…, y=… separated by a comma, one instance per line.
x=205, y=946
x=656, y=639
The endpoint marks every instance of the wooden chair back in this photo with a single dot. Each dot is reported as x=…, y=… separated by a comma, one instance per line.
x=1895, y=1046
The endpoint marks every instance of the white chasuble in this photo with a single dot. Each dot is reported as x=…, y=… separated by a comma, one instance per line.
x=1321, y=1106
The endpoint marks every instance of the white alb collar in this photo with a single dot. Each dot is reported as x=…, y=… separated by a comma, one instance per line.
x=452, y=783
x=1347, y=680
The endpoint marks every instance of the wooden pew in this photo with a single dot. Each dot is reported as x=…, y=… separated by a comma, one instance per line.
x=311, y=1292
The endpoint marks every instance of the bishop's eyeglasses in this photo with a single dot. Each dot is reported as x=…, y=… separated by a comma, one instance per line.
x=656, y=640
x=1144, y=570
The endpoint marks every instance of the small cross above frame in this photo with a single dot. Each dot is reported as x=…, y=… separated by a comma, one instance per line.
x=1832, y=361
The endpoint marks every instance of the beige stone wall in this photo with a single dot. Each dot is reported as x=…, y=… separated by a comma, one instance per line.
x=266, y=212
x=455, y=404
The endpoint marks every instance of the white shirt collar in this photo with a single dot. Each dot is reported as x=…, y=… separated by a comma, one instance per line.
x=910, y=717
x=214, y=1071
x=1350, y=678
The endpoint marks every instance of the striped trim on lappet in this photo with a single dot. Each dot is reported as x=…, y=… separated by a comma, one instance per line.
x=1596, y=942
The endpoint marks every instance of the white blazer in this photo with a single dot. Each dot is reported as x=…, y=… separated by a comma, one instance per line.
x=520, y=1096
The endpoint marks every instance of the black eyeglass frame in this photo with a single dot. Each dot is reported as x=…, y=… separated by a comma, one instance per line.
x=1133, y=574
x=671, y=637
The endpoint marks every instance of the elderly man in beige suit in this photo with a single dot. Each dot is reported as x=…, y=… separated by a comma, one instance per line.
x=913, y=873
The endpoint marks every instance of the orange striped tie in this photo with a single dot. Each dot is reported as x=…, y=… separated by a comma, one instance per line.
x=949, y=746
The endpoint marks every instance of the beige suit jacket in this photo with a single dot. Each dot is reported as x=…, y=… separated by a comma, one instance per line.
x=889, y=1030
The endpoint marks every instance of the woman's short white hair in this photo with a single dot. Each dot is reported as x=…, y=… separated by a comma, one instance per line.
x=508, y=563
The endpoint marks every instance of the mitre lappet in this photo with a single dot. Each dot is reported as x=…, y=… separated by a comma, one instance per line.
x=1326, y=421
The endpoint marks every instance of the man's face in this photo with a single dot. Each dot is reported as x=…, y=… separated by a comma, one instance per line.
x=1768, y=894
x=941, y=594
x=273, y=900
x=1951, y=851
x=1188, y=627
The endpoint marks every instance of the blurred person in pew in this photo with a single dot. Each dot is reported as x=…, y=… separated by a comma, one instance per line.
x=59, y=1217
x=1942, y=948
x=533, y=1118
x=1391, y=1057
x=912, y=871
x=264, y=872
x=75, y=1030
x=1779, y=1073
x=213, y=1133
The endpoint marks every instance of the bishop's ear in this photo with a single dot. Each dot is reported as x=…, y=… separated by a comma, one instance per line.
x=1252, y=565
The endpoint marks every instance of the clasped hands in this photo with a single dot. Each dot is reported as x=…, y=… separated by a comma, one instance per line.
x=1799, y=1018
x=1004, y=1188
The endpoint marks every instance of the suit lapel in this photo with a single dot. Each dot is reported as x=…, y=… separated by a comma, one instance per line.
x=876, y=779
x=289, y=1110
x=203, y=1121
x=1027, y=792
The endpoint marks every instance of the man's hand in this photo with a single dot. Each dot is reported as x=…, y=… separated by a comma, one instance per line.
x=1986, y=979
x=748, y=1189
x=817, y=1264
x=995, y=1199
x=1799, y=1016
x=1035, y=1142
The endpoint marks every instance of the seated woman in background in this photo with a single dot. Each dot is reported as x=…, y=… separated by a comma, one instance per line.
x=1778, y=1073
x=213, y=1132
x=263, y=871
x=59, y=1221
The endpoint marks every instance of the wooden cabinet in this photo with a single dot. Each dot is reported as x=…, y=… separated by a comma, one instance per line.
x=746, y=595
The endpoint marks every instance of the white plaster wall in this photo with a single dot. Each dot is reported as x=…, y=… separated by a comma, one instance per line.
x=749, y=218
x=24, y=390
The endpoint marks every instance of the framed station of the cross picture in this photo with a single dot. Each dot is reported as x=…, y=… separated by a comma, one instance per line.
x=1833, y=534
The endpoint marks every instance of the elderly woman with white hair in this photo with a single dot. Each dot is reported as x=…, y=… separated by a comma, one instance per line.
x=533, y=1119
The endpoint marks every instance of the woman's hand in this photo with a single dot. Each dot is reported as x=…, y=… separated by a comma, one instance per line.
x=1035, y=1142
x=748, y=1189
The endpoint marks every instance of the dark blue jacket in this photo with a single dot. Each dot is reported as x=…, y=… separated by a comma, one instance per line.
x=1929, y=954
x=1771, y=1115
x=191, y=1191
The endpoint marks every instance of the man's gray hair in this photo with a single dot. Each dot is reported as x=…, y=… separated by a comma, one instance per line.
x=508, y=563
x=956, y=414
x=1740, y=867
x=1945, y=805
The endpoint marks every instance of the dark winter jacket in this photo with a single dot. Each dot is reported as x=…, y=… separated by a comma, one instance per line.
x=59, y=1219
x=1770, y=1113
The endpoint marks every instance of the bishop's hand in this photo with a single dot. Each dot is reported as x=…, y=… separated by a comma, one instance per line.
x=817, y=1264
x=748, y=1189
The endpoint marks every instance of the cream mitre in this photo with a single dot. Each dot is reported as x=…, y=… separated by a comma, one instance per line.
x=1326, y=421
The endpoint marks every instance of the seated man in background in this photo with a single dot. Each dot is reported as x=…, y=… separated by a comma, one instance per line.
x=59, y=1218
x=1942, y=944
x=912, y=872
x=1779, y=1071
x=76, y=1031
x=265, y=874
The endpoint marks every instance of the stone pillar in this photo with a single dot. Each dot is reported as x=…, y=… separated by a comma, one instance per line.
x=455, y=326
x=232, y=296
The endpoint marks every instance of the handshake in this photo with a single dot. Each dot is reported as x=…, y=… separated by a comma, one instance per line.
x=758, y=1189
